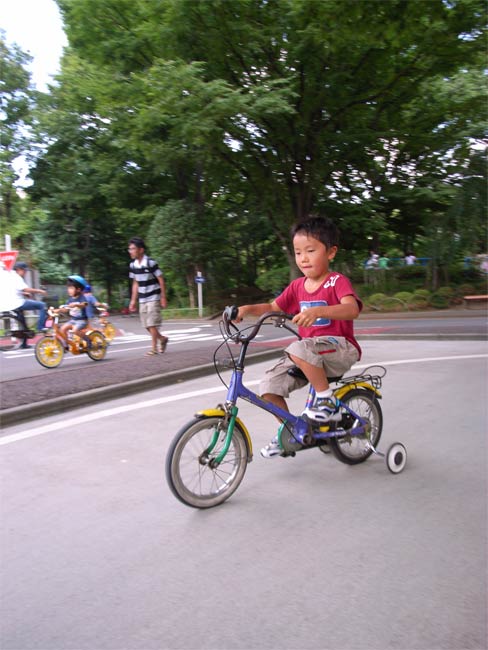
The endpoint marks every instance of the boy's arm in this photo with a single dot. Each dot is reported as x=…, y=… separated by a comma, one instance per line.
x=163, y=291
x=133, y=299
x=347, y=310
x=29, y=291
x=256, y=310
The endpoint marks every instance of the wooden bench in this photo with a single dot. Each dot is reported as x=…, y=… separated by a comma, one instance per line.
x=474, y=300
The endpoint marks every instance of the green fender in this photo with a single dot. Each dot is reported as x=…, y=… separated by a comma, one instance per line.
x=212, y=413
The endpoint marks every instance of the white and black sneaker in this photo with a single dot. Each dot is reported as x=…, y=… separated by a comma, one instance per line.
x=325, y=409
x=272, y=449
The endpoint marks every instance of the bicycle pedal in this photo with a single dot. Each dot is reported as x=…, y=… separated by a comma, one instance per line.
x=288, y=454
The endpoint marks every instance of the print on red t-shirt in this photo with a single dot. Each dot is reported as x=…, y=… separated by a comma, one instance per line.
x=295, y=299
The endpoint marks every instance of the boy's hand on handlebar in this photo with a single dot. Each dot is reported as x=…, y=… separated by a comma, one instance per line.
x=240, y=313
x=231, y=314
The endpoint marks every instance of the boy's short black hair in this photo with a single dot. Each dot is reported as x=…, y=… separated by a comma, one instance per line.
x=137, y=241
x=320, y=228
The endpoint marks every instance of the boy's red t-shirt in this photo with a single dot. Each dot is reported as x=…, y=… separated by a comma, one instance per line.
x=295, y=299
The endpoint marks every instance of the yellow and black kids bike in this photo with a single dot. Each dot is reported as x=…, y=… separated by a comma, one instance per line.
x=50, y=349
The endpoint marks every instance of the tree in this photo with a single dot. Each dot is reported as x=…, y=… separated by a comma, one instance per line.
x=70, y=180
x=293, y=106
x=16, y=101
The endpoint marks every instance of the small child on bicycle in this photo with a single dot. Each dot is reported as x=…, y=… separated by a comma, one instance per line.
x=93, y=302
x=75, y=305
x=325, y=305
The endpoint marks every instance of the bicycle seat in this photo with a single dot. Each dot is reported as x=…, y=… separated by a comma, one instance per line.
x=296, y=372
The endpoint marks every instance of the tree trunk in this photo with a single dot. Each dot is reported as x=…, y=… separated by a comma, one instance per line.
x=191, y=289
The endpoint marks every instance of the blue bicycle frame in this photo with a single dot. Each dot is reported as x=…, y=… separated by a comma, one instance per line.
x=300, y=427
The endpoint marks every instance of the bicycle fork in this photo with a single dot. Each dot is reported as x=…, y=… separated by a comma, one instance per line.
x=232, y=417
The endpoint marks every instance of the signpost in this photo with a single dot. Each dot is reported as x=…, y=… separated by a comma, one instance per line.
x=199, y=281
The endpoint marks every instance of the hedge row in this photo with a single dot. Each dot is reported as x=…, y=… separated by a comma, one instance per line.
x=420, y=299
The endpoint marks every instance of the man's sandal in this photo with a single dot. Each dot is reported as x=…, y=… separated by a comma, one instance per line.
x=151, y=353
x=163, y=344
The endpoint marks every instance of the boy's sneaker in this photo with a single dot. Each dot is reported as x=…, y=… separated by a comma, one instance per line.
x=325, y=409
x=272, y=449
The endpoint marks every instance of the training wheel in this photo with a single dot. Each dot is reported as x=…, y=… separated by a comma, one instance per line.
x=396, y=457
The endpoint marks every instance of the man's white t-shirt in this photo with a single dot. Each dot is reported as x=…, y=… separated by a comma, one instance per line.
x=11, y=296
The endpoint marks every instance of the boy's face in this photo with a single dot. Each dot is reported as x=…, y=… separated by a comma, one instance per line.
x=134, y=251
x=72, y=291
x=312, y=256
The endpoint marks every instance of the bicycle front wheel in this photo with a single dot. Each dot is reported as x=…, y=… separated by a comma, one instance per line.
x=189, y=471
x=98, y=346
x=353, y=449
x=10, y=337
x=49, y=352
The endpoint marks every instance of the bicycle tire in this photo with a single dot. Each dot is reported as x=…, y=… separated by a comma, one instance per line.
x=190, y=477
x=109, y=332
x=9, y=341
x=98, y=348
x=351, y=449
x=49, y=352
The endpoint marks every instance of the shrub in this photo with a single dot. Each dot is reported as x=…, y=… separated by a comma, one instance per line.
x=439, y=301
x=447, y=292
x=376, y=299
x=404, y=296
x=274, y=280
x=392, y=304
x=423, y=293
x=418, y=303
x=466, y=290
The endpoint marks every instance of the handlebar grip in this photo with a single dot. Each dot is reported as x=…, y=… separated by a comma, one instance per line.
x=230, y=313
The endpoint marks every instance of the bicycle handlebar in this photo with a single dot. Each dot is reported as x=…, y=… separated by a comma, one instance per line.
x=230, y=314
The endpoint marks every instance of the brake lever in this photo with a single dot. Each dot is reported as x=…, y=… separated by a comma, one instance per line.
x=230, y=313
x=281, y=321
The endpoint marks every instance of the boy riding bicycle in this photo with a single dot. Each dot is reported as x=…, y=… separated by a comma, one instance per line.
x=325, y=305
x=76, y=306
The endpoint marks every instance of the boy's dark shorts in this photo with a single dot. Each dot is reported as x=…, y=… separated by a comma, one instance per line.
x=334, y=353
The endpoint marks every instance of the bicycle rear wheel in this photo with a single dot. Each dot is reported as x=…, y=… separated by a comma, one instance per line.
x=109, y=332
x=353, y=449
x=98, y=348
x=10, y=337
x=49, y=352
x=189, y=473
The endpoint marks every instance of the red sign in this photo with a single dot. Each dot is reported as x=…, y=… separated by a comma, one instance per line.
x=7, y=259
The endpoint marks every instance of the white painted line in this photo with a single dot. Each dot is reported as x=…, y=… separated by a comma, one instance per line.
x=90, y=417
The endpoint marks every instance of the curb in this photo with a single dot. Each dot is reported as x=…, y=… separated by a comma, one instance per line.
x=18, y=414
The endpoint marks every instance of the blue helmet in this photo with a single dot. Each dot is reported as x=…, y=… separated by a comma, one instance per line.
x=78, y=281
x=88, y=287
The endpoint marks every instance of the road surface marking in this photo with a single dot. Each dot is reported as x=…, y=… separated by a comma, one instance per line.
x=90, y=417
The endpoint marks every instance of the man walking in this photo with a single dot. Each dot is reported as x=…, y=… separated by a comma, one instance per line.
x=147, y=287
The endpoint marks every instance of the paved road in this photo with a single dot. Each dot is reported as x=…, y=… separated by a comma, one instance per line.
x=29, y=390
x=308, y=554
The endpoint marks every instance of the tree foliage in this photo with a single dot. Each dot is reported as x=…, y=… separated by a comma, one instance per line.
x=238, y=118
x=16, y=100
